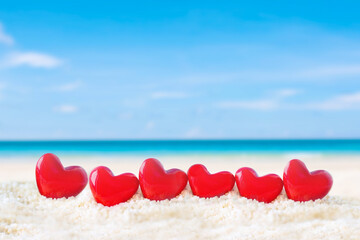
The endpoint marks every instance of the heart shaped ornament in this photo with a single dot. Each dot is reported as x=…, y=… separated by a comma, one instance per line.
x=206, y=185
x=55, y=181
x=158, y=184
x=110, y=190
x=263, y=189
x=302, y=185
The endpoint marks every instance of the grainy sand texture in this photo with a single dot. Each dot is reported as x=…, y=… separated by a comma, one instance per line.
x=25, y=214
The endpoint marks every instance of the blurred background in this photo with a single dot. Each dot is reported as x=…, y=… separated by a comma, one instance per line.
x=159, y=70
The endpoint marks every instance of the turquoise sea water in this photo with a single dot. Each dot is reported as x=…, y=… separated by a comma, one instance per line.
x=13, y=148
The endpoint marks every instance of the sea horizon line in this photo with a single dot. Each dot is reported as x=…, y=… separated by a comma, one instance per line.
x=178, y=139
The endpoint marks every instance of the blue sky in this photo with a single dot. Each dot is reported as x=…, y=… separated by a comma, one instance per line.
x=191, y=69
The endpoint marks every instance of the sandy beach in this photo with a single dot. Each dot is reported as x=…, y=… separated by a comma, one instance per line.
x=25, y=214
x=229, y=85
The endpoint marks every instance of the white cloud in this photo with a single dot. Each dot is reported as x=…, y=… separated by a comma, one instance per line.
x=68, y=87
x=331, y=71
x=290, y=73
x=266, y=104
x=32, y=59
x=342, y=102
x=5, y=38
x=66, y=109
x=287, y=92
x=169, y=95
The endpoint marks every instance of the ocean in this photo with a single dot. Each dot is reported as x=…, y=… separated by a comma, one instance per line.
x=170, y=147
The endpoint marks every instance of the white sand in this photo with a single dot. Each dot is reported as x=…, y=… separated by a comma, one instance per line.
x=25, y=214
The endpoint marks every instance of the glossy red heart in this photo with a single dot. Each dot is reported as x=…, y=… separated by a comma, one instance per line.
x=204, y=184
x=302, y=185
x=263, y=189
x=110, y=190
x=158, y=184
x=55, y=181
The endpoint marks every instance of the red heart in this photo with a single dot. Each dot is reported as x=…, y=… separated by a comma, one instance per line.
x=302, y=185
x=55, y=181
x=158, y=184
x=263, y=189
x=204, y=184
x=110, y=190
